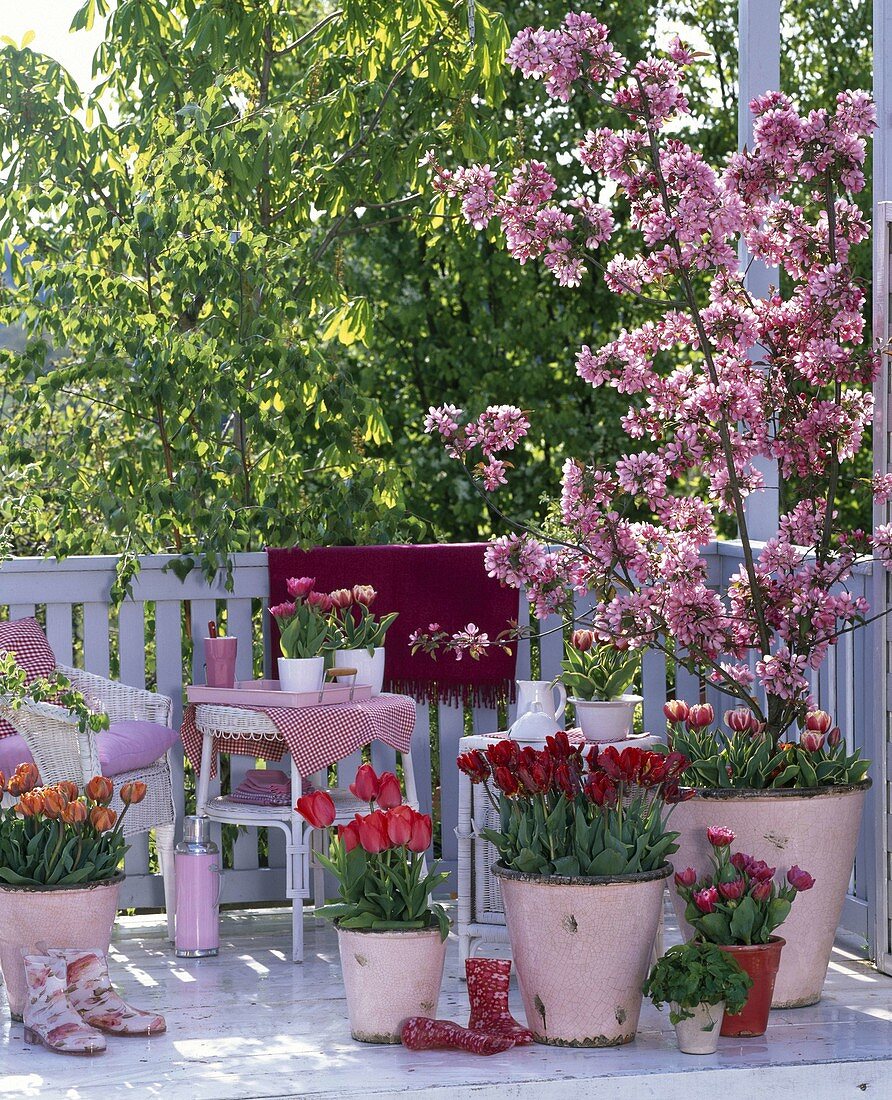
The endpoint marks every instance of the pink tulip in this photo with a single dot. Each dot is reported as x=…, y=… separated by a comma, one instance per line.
x=299, y=587
x=687, y=877
x=741, y=720
x=811, y=740
x=818, y=720
x=320, y=600
x=364, y=594
x=700, y=715
x=760, y=891
x=718, y=836
x=676, y=710
x=732, y=891
x=583, y=640
x=705, y=900
x=834, y=737
x=800, y=880
x=341, y=597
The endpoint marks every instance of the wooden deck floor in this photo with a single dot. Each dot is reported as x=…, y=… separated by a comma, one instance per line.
x=251, y=1024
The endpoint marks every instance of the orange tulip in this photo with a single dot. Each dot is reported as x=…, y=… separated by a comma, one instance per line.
x=102, y=818
x=25, y=778
x=68, y=788
x=30, y=804
x=133, y=792
x=100, y=790
x=75, y=813
x=2, y=784
x=54, y=802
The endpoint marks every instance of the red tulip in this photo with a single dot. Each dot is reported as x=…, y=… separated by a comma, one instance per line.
x=583, y=640
x=317, y=808
x=732, y=891
x=133, y=792
x=818, y=720
x=389, y=793
x=102, y=818
x=364, y=594
x=349, y=835
x=299, y=587
x=75, y=813
x=399, y=825
x=700, y=715
x=800, y=880
x=760, y=891
x=676, y=710
x=687, y=877
x=759, y=870
x=422, y=833
x=811, y=740
x=719, y=837
x=600, y=789
x=373, y=834
x=474, y=765
x=834, y=737
x=705, y=900
x=503, y=754
x=365, y=785
x=506, y=781
x=100, y=789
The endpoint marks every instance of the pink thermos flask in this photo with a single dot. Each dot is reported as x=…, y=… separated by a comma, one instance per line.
x=198, y=879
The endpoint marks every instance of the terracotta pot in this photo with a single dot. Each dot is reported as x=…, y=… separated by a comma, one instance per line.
x=606, y=720
x=814, y=829
x=699, y=1034
x=369, y=666
x=388, y=977
x=761, y=962
x=57, y=916
x=582, y=947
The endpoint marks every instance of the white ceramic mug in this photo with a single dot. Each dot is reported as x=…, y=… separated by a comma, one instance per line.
x=541, y=692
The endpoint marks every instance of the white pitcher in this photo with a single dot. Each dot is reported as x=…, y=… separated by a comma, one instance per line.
x=541, y=692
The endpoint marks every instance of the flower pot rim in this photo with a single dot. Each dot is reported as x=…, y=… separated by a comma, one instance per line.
x=773, y=941
x=43, y=888
x=389, y=931
x=575, y=700
x=661, y=872
x=719, y=794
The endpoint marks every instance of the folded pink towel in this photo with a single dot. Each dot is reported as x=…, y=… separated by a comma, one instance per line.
x=263, y=787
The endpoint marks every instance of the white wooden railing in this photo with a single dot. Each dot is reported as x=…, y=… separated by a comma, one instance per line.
x=142, y=642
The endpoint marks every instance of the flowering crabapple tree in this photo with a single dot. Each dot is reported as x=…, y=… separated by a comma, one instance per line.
x=716, y=379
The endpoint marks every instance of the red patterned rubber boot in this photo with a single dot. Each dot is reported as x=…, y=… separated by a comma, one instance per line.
x=488, y=994
x=420, y=1033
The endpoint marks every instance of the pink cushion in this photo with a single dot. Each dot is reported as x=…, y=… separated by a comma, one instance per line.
x=13, y=751
x=128, y=746
x=26, y=639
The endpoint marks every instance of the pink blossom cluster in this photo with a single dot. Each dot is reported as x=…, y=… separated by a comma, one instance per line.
x=718, y=382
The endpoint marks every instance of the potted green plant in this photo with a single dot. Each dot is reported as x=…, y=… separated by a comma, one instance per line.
x=391, y=936
x=738, y=907
x=60, y=858
x=756, y=784
x=583, y=844
x=597, y=676
x=359, y=636
x=305, y=632
x=701, y=984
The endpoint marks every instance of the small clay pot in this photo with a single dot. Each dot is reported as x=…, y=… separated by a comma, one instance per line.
x=761, y=962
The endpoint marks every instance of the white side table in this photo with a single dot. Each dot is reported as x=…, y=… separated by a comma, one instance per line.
x=480, y=917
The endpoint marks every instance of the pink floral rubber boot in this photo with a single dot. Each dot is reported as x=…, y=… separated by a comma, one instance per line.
x=90, y=992
x=50, y=1019
x=488, y=994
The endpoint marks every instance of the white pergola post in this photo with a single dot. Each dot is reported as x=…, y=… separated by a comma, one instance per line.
x=878, y=807
x=759, y=72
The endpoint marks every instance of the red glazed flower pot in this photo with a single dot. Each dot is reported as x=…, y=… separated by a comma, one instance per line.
x=761, y=962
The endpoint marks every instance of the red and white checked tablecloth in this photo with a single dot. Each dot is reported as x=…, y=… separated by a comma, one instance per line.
x=315, y=736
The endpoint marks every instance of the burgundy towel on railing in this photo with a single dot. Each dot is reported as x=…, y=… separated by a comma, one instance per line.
x=438, y=583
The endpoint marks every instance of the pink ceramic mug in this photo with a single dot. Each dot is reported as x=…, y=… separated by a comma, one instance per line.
x=219, y=660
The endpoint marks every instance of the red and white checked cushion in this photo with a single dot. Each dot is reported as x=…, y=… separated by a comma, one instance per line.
x=26, y=639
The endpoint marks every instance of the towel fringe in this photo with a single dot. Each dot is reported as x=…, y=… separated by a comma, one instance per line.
x=489, y=696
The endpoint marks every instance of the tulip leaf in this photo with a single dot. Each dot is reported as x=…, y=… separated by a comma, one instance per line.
x=742, y=920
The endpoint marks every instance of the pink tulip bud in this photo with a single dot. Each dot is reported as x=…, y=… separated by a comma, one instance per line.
x=760, y=891
x=364, y=594
x=687, y=877
x=676, y=710
x=298, y=587
x=732, y=891
x=741, y=720
x=705, y=900
x=811, y=740
x=319, y=600
x=818, y=720
x=700, y=715
x=583, y=640
x=834, y=737
x=718, y=836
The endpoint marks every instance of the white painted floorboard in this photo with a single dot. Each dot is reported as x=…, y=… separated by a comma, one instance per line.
x=251, y=1024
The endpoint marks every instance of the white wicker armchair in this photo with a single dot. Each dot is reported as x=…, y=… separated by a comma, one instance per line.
x=61, y=751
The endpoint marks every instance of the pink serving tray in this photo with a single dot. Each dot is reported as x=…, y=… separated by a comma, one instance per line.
x=266, y=693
